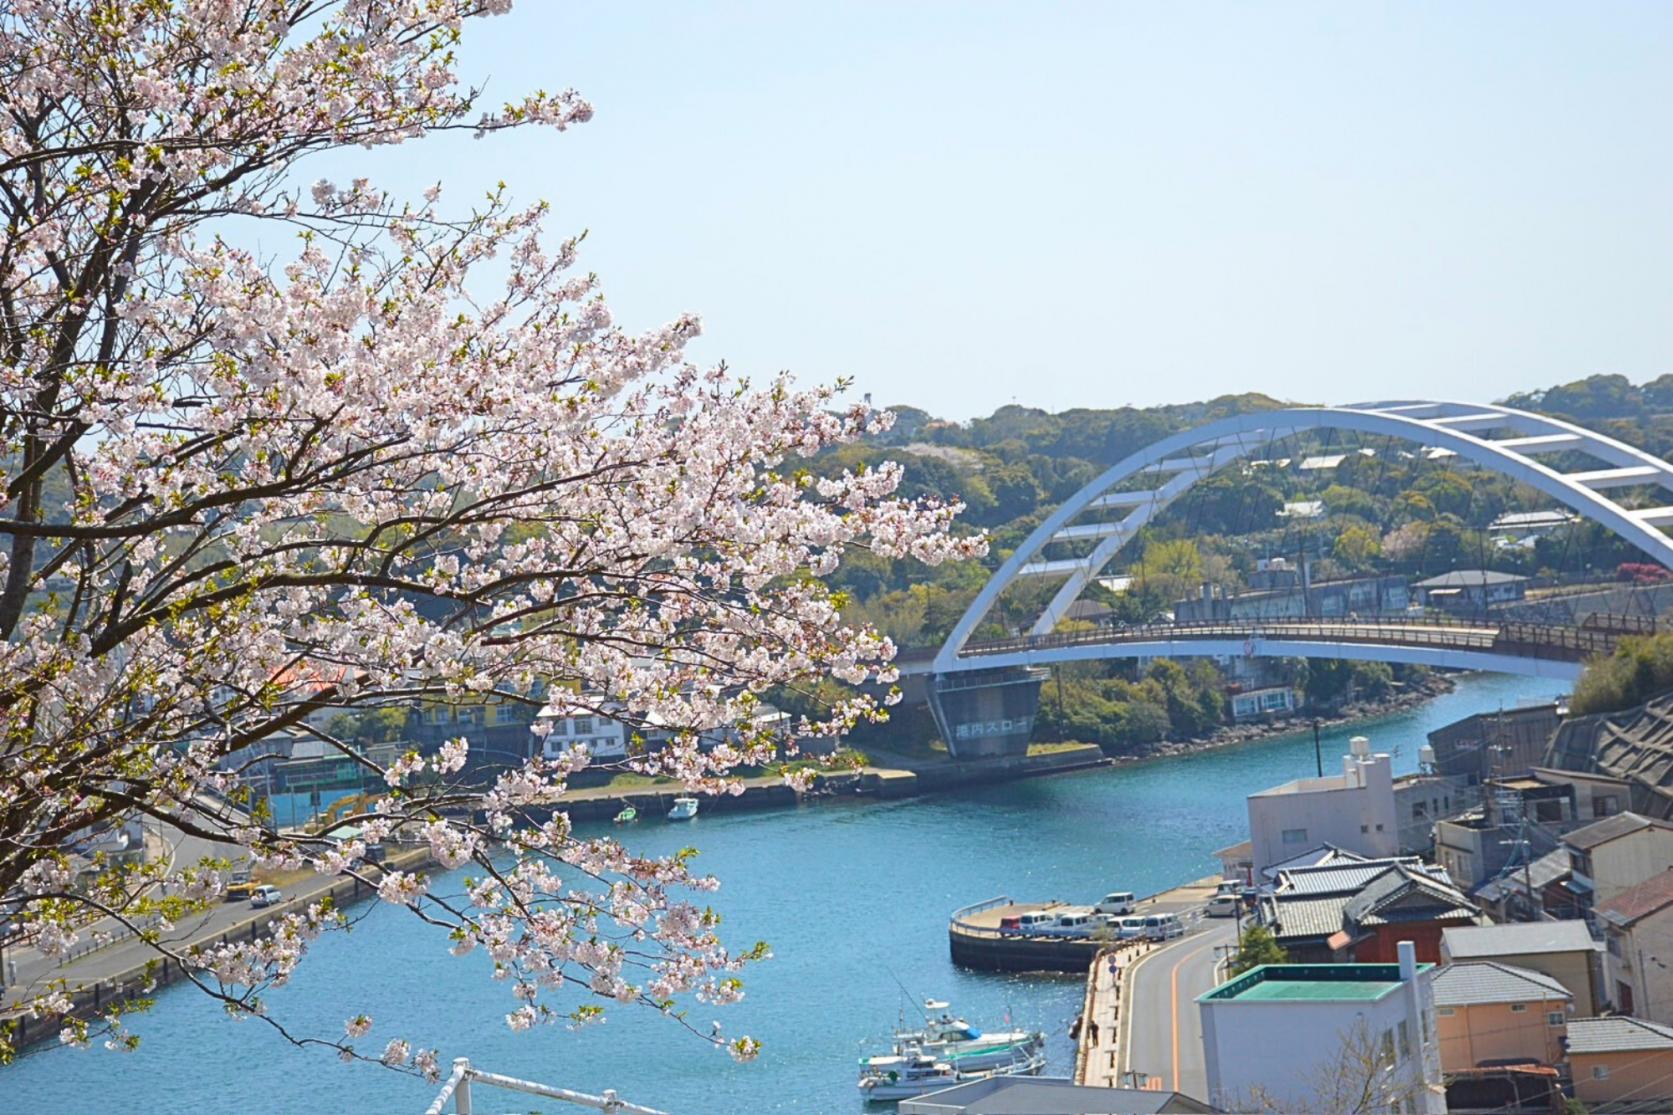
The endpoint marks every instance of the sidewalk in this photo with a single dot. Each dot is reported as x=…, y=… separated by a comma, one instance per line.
x=1097, y=1057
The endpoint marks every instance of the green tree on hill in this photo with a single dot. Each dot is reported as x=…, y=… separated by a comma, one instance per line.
x=1640, y=668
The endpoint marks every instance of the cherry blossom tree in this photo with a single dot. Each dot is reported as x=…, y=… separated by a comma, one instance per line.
x=410, y=459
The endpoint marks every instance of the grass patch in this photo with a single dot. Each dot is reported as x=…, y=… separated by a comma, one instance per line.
x=1054, y=748
x=632, y=780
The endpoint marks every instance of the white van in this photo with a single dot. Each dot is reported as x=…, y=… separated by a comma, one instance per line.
x=1076, y=924
x=1116, y=902
x=1035, y=922
x=265, y=895
x=1163, y=927
x=1128, y=928
x=1222, y=906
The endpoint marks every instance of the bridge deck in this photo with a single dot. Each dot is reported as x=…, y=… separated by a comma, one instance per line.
x=1544, y=642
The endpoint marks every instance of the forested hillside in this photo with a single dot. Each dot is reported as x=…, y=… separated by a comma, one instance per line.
x=1384, y=507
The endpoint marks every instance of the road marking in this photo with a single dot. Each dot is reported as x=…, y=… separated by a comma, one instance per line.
x=1173, y=989
x=1129, y=1005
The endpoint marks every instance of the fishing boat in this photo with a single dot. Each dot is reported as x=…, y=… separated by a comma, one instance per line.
x=684, y=809
x=968, y=1049
x=913, y=1072
x=905, y=1075
x=627, y=814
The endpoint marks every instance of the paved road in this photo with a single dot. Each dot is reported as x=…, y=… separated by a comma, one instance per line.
x=1164, y=1031
x=125, y=956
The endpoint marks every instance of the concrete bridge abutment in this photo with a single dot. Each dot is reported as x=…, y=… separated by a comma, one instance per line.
x=984, y=714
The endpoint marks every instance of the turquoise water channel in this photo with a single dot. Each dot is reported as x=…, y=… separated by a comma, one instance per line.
x=852, y=896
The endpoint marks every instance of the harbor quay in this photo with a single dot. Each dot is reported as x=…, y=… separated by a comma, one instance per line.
x=978, y=937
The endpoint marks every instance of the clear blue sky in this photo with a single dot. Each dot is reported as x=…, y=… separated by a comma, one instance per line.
x=962, y=205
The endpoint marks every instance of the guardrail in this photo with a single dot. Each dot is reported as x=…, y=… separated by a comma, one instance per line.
x=1531, y=639
x=956, y=918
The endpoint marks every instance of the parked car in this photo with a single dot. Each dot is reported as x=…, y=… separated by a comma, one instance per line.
x=1035, y=922
x=265, y=895
x=1233, y=887
x=1223, y=906
x=1129, y=927
x=1011, y=924
x=1163, y=927
x=1116, y=902
x=1077, y=923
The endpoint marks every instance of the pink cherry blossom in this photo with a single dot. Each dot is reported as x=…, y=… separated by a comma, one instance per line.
x=403, y=457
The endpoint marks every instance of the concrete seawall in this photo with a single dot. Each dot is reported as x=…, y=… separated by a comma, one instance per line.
x=976, y=941
x=601, y=803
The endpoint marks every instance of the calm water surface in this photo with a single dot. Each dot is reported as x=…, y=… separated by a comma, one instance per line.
x=853, y=898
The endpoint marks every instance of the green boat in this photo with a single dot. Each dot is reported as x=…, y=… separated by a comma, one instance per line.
x=627, y=814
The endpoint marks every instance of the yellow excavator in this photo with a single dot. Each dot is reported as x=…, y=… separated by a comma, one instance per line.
x=342, y=807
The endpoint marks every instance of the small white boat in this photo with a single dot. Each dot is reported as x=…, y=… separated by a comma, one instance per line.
x=949, y=1038
x=904, y=1076
x=684, y=809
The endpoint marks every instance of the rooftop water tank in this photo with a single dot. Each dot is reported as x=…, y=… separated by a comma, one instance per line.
x=1360, y=747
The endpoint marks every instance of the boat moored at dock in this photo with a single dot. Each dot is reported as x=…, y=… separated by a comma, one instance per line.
x=947, y=1050
x=968, y=1049
x=684, y=809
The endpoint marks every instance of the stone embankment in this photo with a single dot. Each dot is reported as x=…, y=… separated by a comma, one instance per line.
x=1405, y=697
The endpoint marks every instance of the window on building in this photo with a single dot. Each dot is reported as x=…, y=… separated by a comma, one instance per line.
x=1364, y=829
x=1295, y=836
x=1405, y=1039
x=1613, y=943
x=1420, y=810
x=1388, y=1047
x=1605, y=805
x=1379, y=828
x=583, y=725
x=1444, y=1012
x=1423, y=1025
x=1556, y=1018
x=1518, y=1008
x=1600, y=1072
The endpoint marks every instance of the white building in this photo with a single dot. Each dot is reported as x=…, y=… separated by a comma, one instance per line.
x=568, y=722
x=1354, y=810
x=1310, y=1037
x=1278, y=700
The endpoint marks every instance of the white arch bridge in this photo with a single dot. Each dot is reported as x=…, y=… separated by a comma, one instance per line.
x=984, y=694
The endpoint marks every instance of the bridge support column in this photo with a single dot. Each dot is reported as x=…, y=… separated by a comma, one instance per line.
x=983, y=714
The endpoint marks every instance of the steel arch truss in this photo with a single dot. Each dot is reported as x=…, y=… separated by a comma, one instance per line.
x=1518, y=439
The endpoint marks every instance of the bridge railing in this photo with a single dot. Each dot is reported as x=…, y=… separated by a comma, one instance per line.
x=1531, y=639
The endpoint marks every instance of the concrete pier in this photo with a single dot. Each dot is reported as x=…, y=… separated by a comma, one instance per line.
x=976, y=941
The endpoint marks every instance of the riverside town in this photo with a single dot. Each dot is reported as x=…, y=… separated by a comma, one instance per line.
x=938, y=559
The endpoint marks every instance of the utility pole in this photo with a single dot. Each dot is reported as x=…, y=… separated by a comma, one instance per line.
x=1318, y=755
